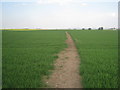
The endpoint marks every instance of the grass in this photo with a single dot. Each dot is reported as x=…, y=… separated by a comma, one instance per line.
x=99, y=58
x=28, y=56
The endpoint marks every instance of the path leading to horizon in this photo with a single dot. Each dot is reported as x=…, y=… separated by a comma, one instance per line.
x=66, y=73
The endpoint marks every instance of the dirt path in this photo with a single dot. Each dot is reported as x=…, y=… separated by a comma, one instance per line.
x=66, y=73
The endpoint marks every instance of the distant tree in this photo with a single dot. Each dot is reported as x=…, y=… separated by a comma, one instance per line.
x=89, y=28
x=100, y=28
x=83, y=28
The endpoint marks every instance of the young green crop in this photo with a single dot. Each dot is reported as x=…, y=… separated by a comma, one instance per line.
x=99, y=58
x=28, y=56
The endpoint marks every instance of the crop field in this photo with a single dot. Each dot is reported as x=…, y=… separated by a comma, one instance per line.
x=99, y=58
x=30, y=55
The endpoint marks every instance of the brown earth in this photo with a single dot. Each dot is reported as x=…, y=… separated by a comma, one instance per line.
x=66, y=73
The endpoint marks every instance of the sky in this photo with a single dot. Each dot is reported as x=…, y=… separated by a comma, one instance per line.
x=59, y=14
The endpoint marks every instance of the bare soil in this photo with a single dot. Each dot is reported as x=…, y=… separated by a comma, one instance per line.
x=66, y=73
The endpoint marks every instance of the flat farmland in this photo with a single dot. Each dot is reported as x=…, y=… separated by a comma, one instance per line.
x=98, y=51
x=28, y=56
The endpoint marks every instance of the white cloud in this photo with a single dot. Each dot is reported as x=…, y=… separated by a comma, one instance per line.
x=72, y=1
x=83, y=4
x=24, y=4
x=113, y=14
x=65, y=17
x=18, y=0
x=60, y=2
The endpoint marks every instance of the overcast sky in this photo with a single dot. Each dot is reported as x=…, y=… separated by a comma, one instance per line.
x=59, y=13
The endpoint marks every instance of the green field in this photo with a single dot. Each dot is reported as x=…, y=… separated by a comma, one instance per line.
x=29, y=55
x=99, y=58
